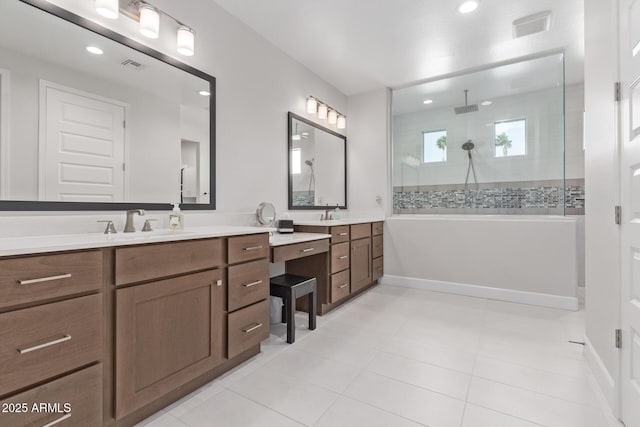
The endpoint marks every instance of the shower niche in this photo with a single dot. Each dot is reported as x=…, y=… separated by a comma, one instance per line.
x=317, y=165
x=503, y=150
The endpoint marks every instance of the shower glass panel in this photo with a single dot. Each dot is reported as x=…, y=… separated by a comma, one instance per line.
x=490, y=142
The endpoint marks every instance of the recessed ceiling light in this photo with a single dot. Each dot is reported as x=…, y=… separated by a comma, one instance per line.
x=485, y=103
x=427, y=101
x=95, y=50
x=204, y=92
x=468, y=6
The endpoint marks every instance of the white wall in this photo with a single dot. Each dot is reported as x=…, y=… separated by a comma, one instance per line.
x=544, y=160
x=602, y=191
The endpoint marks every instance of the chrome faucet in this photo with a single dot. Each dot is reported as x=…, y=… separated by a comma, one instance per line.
x=129, y=227
x=327, y=215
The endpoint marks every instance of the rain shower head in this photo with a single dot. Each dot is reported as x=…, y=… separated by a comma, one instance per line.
x=466, y=108
x=468, y=145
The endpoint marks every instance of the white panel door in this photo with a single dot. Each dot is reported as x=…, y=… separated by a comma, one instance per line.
x=82, y=158
x=630, y=233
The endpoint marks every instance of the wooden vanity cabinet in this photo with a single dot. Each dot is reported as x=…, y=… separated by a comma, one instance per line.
x=355, y=262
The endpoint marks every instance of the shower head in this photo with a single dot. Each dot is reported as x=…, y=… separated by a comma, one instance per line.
x=466, y=108
x=468, y=145
x=309, y=162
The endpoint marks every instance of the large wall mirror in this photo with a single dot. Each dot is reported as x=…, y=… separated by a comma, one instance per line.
x=317, y=166
x=126, y=128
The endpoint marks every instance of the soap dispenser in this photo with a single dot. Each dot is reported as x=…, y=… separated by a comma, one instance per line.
x=176, y=218
x=336, y=213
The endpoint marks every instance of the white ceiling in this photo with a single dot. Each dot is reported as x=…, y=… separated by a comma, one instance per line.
x=361, y=45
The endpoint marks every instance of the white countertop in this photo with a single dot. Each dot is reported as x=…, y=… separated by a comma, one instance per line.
x=67, y=242
x=334, y=222
x=279, y=239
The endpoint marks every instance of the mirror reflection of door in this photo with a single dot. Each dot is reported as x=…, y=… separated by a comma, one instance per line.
x=82, y=142
x=4, y=133
x=190, y=171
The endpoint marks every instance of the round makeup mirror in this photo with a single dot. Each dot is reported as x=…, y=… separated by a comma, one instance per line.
x=266, y=213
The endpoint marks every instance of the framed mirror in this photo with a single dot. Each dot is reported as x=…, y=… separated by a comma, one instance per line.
x=92, y=120
x=317, y=166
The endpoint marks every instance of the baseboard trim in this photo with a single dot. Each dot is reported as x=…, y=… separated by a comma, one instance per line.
x=509, y=295
x=603, y=377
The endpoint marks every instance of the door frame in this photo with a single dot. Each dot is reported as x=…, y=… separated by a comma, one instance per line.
x=5, y=125
x=42, y=129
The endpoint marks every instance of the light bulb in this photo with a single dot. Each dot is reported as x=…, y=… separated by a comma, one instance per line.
x=332, y=117
x=186, y=41
x=149, y=22
x=342, y=122
x=108, y=8
x=323, y=110
x=312, y=105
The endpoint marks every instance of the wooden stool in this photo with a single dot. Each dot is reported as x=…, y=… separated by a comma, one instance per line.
x=289, y=287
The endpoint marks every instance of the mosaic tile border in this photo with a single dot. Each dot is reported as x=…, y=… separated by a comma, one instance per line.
x=527, y=197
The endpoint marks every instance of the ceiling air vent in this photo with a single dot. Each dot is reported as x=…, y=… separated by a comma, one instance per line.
x=536, y=23
x=130, y=63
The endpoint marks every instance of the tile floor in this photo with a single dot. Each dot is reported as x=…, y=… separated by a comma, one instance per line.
x=404, y=357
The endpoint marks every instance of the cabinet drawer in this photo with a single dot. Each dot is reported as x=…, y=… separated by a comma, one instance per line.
x=339, y=257
x=340, y=286
x=340, y=234
x=248, y=283
x=360, y=231
x=248, y=248
x=140, y=263
x=299, y=250
x=40, y=342
x=248, y=327
x=377, y=246
x=32, y=279
x=378, y=268
x=82, y=391
x=377, y=228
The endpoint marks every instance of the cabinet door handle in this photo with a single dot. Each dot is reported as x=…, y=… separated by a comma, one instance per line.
x=343, y=286
x=307, y=250
x=343, y=234
x=252, y=284
x=219, y=282
x=252, y=248
x=59, y=420
x=253, y=328
x=44, y=345
x=44, y=279
x=343, y=257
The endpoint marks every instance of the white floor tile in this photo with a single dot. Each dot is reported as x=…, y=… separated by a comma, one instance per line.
x=161, y=419
x=408, y=401
x=430, y=377
x=457, y=360
x=229, y=409
x=335, y=347
x=292, y=397
x=533, y=407
x=476, y=416
x=346, y=412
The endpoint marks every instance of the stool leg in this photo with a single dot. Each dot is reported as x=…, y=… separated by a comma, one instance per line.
x=283, y=312
x=291, y=319
x=312, y=310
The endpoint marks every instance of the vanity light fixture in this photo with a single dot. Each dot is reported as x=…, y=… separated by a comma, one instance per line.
x=95, y=50
x=332, y=118
x=186, y=41
x=108, y=8
x=149, y=21
x=326, y=112
x=323, y=110
x=468, y=6
x=312, y=105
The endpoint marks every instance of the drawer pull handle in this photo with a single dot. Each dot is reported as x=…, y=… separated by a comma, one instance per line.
x=343, y=286
x=343, y=257
x=218, y=282
x=252, y=248
x=306, y=250
x=44, y=279
x=59, y=420
x=252, y=284
x=253, y=328
x=47, y=344
x=343, y=234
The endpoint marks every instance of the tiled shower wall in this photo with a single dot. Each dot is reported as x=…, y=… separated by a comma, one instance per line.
x=524, y=198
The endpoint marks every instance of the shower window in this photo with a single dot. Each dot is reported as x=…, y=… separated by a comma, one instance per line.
x=510, y=138
x=296, y=161
x=502, y=142
x=434, y=146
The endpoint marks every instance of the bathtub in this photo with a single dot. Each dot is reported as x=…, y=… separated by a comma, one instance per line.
x=529, y=259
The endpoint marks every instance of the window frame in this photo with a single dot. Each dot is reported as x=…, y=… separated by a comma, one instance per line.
x=526, y=145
